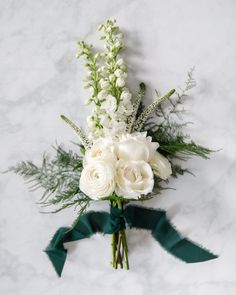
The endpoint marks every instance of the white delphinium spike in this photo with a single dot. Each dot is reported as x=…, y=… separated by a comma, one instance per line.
x=149, y=110
x=83, y=139
x=106, y=79
x=132, y=118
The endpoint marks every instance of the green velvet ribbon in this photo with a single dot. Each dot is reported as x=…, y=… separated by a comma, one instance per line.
x=136, y=217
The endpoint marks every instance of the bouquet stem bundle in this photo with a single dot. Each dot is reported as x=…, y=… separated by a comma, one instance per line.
x=119, y=244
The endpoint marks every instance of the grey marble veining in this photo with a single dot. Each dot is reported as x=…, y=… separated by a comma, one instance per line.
x=40, y=79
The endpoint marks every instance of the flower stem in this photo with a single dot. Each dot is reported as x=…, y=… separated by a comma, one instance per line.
x=118, y=259
x=125, y=248
x=119, y=244
x=113, y=245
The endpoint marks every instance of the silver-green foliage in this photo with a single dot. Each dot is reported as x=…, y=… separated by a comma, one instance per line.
x=58, y=177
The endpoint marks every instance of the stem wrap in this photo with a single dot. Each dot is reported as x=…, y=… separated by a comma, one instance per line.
x=136, y=217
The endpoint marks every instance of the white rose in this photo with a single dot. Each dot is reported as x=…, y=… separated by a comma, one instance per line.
x=161, y=166
x=133, y=179
x=97, y=180
x=102, y=149
x=136, y=146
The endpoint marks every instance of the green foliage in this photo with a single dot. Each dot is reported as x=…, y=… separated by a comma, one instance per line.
x=176, y=145
x=58, y=177
x=167, y=128
x=178, y=170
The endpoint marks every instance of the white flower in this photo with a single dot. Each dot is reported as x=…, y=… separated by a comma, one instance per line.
x=97, y=180
x=95, y=133
x=109, y=104
x=104, y=120
x=120, y=82
x=126, y=97
x=102, y=95
x=97, y=55
x=112, y=77
x=104, y=84
x=102, y=149
x=136, y=146
x=120, y=62
x=118, y=73
x=133, y=179
x=91, y=122
x=125, y=110
x=118, y=127
x=110, y=54
x=121, y=113
x=161, y=166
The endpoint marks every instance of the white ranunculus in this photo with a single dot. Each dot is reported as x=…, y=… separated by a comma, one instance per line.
x=102, y=149
x=136, y=146
x=98, y=179
x=161, y=166
x=133, y=179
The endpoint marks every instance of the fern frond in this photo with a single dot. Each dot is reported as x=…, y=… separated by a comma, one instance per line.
x=58, y=177
x=173, y=105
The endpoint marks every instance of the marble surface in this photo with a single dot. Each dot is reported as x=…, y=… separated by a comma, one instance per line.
x=40, y=79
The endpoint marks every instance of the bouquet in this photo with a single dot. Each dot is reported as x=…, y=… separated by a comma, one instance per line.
x=128, y=153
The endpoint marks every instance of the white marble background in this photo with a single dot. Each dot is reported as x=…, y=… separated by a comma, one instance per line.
x=40, y=79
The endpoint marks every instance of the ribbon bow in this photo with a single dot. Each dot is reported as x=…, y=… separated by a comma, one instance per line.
x=135, y=216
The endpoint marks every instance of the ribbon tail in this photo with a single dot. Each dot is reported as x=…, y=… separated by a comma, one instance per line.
x=166, y=234
x=56, y=251
x=88, y=224
x=172, y=241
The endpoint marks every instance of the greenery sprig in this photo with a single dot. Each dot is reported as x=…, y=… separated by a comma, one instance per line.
x=59, y=179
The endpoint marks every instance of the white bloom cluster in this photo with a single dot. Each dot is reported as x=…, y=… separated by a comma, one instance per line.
x=107, y=78
x=124, y=166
